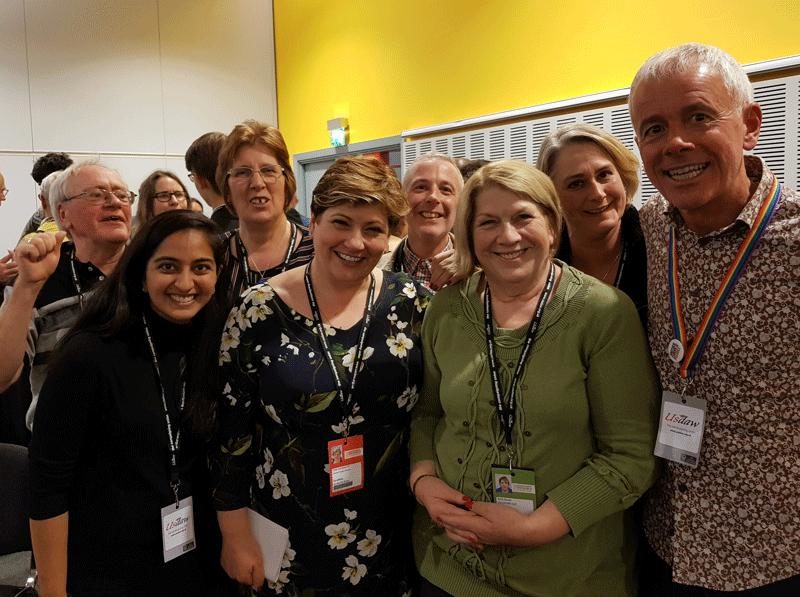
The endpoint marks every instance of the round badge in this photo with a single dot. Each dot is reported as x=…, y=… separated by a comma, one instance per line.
x=675, y=351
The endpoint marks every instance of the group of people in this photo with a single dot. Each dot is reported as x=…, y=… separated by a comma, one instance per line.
x=469, y=410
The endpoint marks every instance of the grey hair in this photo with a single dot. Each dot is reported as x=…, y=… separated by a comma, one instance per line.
x=683, y=58
x=58, y=189
x=427, y=158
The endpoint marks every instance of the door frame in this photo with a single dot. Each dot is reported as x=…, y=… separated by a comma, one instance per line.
x=300, y=160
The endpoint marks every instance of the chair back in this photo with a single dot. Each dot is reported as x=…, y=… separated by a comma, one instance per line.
x=14, y=499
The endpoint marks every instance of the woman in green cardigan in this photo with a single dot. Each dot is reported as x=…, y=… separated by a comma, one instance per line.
x=538, y=373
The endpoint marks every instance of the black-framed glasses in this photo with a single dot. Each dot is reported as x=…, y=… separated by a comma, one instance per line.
x=99, y=196
x=243, y=174
x=165, y=196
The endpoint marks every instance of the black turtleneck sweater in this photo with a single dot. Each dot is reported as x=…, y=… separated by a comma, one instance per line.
x=100, y=452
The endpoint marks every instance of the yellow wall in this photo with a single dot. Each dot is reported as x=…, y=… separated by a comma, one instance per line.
x=390, y=65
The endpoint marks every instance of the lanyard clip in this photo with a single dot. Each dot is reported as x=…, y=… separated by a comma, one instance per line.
x=175, y=485
x=686, y=384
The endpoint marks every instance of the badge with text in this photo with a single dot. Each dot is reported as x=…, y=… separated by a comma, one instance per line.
x=680, y=429
x=515, y=488
x=177, y=529
x=346, y=464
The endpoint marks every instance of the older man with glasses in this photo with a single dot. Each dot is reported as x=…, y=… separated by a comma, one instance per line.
x=92, y=205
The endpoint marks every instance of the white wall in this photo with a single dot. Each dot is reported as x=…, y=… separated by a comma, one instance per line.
x=131, y=81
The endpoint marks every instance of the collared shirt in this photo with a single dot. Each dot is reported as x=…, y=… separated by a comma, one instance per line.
x=418, y=268
x=733, y=523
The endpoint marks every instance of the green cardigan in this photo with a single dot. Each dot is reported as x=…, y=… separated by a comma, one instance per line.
x=586, y=423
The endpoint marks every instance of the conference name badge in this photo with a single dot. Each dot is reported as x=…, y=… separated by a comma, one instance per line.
x=680, y=428
x=346, y=464
x=515, y=488
x=177, y=529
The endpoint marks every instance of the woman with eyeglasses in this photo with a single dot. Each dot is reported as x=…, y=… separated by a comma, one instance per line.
x=257, y=184
x=161, y=191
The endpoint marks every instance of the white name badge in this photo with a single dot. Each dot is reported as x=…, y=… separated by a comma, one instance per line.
x=680, y=429
x=177, y=529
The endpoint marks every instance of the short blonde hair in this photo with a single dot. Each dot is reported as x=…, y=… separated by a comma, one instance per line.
x=525, y=181
x=626, y=163
x=360, y=180
x=250, y=133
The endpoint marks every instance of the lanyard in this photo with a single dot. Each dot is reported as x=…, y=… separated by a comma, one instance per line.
x=246, y=266
x=686, y=355
x=623, y=257
x=506, y=409
x=174, y=440
x=75, y=280
x=346, y=400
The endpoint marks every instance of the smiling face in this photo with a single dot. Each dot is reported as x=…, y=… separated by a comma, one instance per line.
x=589, y=186
x=107, y=223
x=432, y=192
x=692, y=138
x=165, y=184
x=349, y=240
x=181, y=275
x=254, y=201
x=512, y=238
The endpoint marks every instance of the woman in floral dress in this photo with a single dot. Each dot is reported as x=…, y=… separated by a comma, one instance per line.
x=300, y=440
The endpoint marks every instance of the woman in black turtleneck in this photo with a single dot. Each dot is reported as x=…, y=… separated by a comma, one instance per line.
x=101, y=450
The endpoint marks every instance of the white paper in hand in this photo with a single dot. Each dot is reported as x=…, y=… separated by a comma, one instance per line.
x=273, y=540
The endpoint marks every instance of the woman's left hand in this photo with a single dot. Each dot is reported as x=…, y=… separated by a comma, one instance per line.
x=496, y=524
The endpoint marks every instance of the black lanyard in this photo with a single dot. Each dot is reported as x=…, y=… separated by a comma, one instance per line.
x=75, y=280
x=346, y=400
x=506, y=409
x=174, y=440
x=623, y=257
x=246, y=267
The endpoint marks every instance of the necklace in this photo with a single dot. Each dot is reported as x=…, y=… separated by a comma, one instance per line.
x=611, y=266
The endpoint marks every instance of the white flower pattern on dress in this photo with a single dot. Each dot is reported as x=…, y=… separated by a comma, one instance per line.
x=408, y=399
x=350, y=356
x=368, y=546
x=280, y=485
x=354, y=571
x=399, y=345
x=340, y=535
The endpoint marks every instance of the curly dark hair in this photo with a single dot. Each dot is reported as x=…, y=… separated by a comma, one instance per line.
x=49, y=163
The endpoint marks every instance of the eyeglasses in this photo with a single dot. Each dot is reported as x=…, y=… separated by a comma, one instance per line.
x=243, y=174
x=99, y=196
x=165, y=196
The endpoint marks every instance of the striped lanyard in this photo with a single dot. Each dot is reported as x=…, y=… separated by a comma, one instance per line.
x=686, y=355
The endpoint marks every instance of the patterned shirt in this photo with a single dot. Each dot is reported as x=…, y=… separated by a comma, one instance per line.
x=418, y=268
x=733, y=523
x=233, y=274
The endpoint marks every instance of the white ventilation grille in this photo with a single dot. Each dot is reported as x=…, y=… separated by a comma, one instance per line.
x=772, y=143
x=459, y=146
x=779, y=142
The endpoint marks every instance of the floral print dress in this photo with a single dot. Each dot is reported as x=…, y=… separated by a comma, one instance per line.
x=280, y=409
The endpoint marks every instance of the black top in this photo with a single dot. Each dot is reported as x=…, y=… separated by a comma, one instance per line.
x=634, y=273
x=223, y=218
x=100, y=452
x=61, y=284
